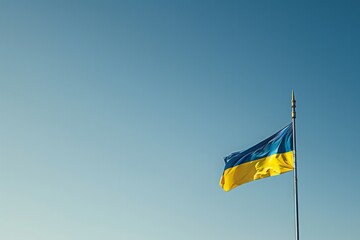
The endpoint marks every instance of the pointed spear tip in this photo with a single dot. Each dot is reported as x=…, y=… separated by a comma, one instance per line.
x=293, y=105
x=293, y=95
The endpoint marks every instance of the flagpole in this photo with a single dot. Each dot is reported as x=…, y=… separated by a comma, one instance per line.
x=293, y=115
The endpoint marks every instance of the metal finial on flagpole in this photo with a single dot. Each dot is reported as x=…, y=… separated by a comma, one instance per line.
x=293, y=105
x=293, y=115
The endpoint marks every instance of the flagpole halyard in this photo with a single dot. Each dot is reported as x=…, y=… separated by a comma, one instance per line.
x=293, y=115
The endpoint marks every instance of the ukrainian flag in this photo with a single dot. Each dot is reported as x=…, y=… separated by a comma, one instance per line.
x=271, y=157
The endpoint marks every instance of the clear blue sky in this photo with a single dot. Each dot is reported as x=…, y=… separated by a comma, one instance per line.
x=116, y=116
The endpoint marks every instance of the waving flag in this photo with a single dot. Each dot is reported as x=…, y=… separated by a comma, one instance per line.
x=271, y=157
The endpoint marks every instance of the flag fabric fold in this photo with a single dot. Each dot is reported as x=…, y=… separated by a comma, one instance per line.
x=273, y=156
